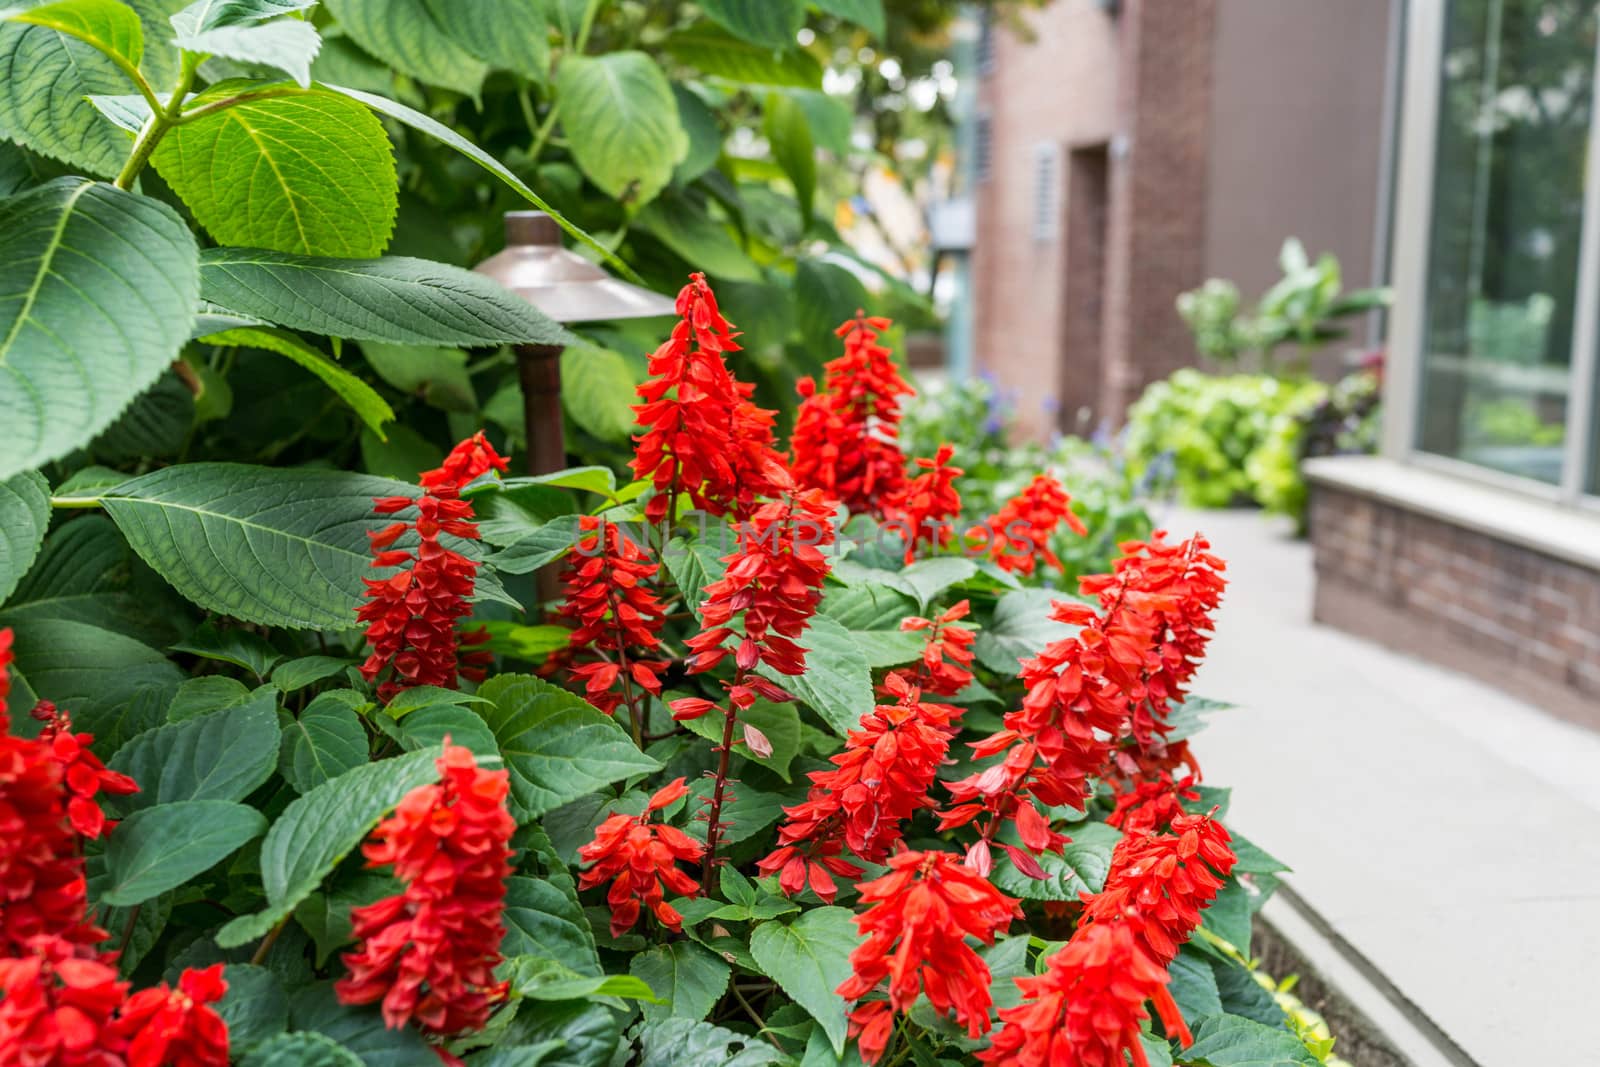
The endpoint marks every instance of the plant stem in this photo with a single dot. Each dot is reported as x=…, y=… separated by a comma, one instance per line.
x=127, y=929
x=724, y=753
x=268, y=941
x=161, y=120
x=229, y=101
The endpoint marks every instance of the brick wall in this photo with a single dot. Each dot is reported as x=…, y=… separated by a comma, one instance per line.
x=1522, y=620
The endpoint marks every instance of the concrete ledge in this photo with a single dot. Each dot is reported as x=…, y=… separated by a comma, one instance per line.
x=1565, y=533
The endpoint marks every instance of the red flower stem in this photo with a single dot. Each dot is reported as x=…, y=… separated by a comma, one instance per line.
x=724, y=753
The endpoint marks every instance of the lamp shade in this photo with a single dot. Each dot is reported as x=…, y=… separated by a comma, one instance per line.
x=563, y=284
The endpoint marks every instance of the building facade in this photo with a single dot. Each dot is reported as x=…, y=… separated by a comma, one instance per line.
x=1474, y=539
x=1126, y=151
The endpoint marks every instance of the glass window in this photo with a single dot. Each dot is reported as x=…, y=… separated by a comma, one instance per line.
x=1514, y=112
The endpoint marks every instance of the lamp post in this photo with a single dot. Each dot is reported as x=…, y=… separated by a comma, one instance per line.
x=567, y=288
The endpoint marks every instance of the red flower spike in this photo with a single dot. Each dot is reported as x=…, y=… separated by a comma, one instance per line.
x=771, y=588
x=945, y=667
x=412, y=615
x=1018, y=535
x=922, y=511
x=703, y=437
x=56, y=1009
x=881, y=779
x=6, y=656
x=845, y=439
x=83, y=774
x=165, y=1026
x=640, y=859
x=614, y=613
x=922, y=913
x=429, y=952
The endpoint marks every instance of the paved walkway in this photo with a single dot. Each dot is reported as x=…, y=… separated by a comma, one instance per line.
x=1446, y=832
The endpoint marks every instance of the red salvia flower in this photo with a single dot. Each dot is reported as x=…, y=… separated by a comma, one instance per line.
x=845, y=440
x=771, y=588
x=702, y=435
x=922, y=913
x=1085, y=1010
x=6, y=656
x=412, y=615
x=946, y=665
x=923, y=509
x=614, y=613
x=1150, y=804
x=56, y=1008
x=82, y=772
x=429, y=952
x=177, y=1027
x=882, y=778
x=1018, y=535
x=642, y=856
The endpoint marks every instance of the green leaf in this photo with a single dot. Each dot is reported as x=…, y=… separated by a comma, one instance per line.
x=788, y=131
x=1231, y=1041
x=416, y=120
x=779, y=723
x=300, y=1049
x=160, y=848
x=698, y=237
x=214, y=692
x=557, y=746
x=542, y=545
x=1241, y=994
x=771, y=24
x=396, y=299
x=241, y=648
x=868, y=14
x=209, y=14
x=97, y=290
x=463, y=726
x=837, y=683
x=361, y=398
x=255, y=1007
x=831, y=120
x=720, y=55
x=510, y=35
x=543, y=920
x=930, y=577
x=1229, y=915
x=24, y=518
x=359, y=1030
x=280, y=547
x=825, y=295
x=1252, y=859
x=1194, y=985
x=705, y=135
x=809, y=958
x=111, y=27
x=288, y=45
x=1021, y=628
x=674, y=1042
x=310, y=173
x=318, y=830
x=627, y=138
x=324, y=742
x=405, y=34
x=537, y=978
x=598, y=391
x=1081, y=868
x=92, y=672
x=689, y=979
x=223, y=755
x=588, y=1032
x=438, y=375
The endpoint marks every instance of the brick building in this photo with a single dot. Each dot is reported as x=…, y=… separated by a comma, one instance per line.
x=1126, y=151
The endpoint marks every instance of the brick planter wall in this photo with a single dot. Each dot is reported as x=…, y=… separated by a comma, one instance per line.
x=1520, y=619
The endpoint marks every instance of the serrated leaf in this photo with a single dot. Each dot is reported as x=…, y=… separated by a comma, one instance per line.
x=359, y=1030
x=597, y=391
x=779, y=723
x=463, y=726
x=97, y=290
x=310, y=173
x=288, y=45
x=629, y=138
x=223, y=755
x=361, y=398
x=416, y=120
x=930, y=577
x=542, y=920
x=838, y=683
x=47, y=74
x=280, y=547
x=300, y=1049
x=542, y=544
x=24, y=518
x=1232, y=1041
x=1229, y=915
x=772, y=24
x=1020, y=628
x=209, y=14
x=746, y=811
x=255, y=1008
x=509, y=35
x=396, y=299
x=788, y=132
x=94, y=673
x=589, y=1033
x=160, y=848
x=688, y=979
x=724, y=56
x=325, y=741
x=318, y=830
x=1194, y=986
x=537, y=978
x=1080, y=868
x=673, y=1042
x=557, y=746
x=241, y=648
x=868, y=14
x=405, y=34
x=693, y=565
x=809, y=958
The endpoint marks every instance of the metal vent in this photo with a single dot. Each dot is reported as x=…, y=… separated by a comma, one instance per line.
x=1046, y=191
x=982, y=147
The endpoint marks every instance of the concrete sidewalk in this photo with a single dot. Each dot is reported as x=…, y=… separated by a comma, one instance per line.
x=1448, y=834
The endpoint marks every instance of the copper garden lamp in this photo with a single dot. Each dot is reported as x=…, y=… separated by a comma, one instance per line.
x=567, y=288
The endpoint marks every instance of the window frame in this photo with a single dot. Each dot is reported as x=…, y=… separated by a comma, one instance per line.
x=1426, y=24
